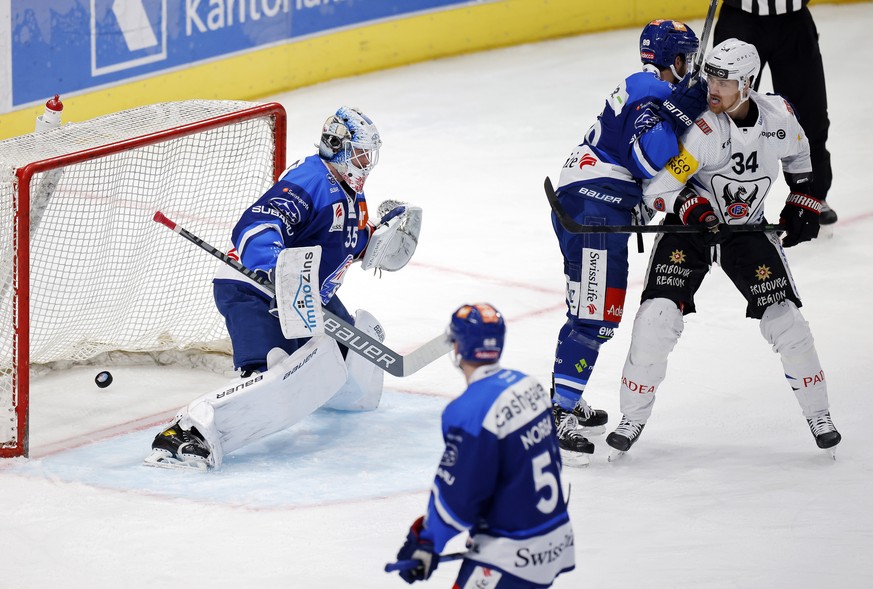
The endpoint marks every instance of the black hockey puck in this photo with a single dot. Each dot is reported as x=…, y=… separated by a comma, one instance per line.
x=103, y=379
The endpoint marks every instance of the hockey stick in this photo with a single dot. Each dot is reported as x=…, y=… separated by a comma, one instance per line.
x=568, y=223
x=370, y=348
x=405, y=565
x=704, y=39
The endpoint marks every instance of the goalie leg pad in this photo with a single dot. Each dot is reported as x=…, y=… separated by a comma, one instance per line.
x=247, y=410
x=657, y=327
x=362, y=390
x=784, y=327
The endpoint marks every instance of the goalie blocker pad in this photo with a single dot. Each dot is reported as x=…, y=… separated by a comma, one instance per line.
x=297, y=292
x=246, y=410
x=392, y=244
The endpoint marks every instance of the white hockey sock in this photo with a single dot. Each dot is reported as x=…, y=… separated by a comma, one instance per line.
x=788, y=332
x=656, y=330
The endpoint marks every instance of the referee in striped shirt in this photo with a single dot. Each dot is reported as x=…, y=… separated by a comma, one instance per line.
x=786, y=38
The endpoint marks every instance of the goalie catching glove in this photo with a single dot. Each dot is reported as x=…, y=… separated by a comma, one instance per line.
x=396, y=236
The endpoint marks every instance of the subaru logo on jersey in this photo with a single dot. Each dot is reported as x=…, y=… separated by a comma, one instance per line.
x=450, y=455
x=339, y=217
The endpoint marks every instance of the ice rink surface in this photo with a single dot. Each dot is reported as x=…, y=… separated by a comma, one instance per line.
x=725, y=489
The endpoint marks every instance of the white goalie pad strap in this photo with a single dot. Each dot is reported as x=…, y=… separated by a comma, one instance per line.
x=246, y=410
x=362, y=390
x=393, y=243
x=297, y=292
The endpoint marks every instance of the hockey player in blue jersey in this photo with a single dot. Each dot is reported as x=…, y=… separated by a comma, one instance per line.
x=600, y=184
x=500, y=475
x=316, y=216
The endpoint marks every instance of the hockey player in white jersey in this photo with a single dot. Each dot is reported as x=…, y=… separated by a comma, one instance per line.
x=727, y=164
x=303, y=234
x=636, y=133
x=500, y=475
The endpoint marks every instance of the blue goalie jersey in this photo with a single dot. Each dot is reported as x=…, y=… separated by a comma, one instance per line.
x=306, y=207
x=627, y=144
x=500, y=479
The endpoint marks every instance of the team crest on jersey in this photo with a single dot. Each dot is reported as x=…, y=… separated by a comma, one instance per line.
x=740, y=199
x=646, y=120
x=334, y=280
x=339, y=217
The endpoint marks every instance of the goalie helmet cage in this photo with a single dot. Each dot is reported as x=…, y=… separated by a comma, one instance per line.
x=83, y=268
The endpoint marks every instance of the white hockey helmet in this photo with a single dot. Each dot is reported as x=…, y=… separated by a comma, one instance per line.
x=350, y=142
x=733, y=59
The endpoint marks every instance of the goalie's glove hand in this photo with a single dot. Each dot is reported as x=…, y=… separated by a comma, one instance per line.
x=800, y=216
x=696, y=210
x=420, y=549
x=685, y=104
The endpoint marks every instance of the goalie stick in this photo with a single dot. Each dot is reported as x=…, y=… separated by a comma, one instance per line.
x=568, y=223
x=370, y=348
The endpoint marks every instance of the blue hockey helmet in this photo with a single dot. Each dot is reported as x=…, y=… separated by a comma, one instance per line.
x=479, y=331
x=662, y=40
x=350, y=142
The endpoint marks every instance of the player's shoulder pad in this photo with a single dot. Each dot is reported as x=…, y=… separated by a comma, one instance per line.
x=641, y=85
x=786, y=103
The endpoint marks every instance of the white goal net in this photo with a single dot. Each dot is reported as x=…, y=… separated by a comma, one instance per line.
x=93, y=273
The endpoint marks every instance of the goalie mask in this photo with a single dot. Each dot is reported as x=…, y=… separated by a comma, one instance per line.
x=479, y=331
x=350, y=142
x=662, y=40
x=733, y=59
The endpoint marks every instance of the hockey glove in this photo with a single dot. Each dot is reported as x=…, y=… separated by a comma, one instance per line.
x=420, y=549
x=800, y=216
x=696, y=210
x=684, y=105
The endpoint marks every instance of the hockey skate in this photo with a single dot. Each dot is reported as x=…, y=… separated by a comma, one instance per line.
x=592, y=421
x=179, y=449
x=826, y=435
x=573, y=445
x=624, y=436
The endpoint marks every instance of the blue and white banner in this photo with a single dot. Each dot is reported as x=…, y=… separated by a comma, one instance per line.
x=69, y=46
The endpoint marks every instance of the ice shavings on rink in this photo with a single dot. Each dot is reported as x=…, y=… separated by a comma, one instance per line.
x=329, y=456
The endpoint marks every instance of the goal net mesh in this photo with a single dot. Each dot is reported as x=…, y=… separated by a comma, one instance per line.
x=103, y=275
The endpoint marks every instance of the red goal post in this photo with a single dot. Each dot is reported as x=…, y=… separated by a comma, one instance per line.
x=84, y=270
